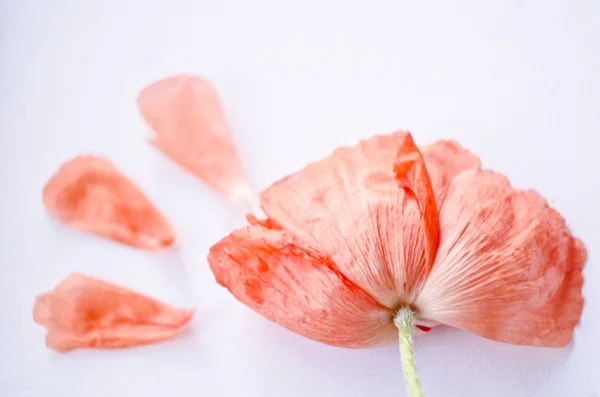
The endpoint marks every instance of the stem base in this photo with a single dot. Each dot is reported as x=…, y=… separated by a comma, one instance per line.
x=405, y=319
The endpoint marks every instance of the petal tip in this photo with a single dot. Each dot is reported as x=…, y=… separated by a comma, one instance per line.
x=242, y=196
x=159, y=243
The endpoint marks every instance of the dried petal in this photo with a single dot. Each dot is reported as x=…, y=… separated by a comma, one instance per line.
x=411, y=172
x=91, y=195
x=445, y=160
x=191, y=129
x=84, y=312
x=377, y=225
x=289, y=283
x=507, y=268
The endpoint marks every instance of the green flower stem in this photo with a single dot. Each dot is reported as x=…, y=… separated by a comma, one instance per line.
x=405, y=319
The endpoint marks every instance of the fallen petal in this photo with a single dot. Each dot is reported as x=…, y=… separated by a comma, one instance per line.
x=91, y=195
x=291, y=284
x=84, y=312
x=508, y=268
x=191, y=129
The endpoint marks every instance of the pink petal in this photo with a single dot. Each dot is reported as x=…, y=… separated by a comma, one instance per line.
x=192, y=131
x=84, y=312
x=378, y=226
x=445, y=160
x=89, y=194
x=290, y=283
x=412, y=174
x=507, y=268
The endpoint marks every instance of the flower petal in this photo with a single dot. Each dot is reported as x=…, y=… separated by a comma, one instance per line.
x=353, y=207
x=191, y=129
x=84, y=312
x=91, y=195
x=445, y=160
x=507, y=268
x=412, y=173
x=289, y=283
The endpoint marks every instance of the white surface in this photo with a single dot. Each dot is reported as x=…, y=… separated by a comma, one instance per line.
x=516, y=82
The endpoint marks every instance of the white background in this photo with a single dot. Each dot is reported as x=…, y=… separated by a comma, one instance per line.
x=518, y=83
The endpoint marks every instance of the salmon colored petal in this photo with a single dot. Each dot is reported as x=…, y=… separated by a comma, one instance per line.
x=412, y=173
x=84, y=312
x=507, y=268
x=191, y=129
x=91, y=195
x=291, y=284
x=354, y=208
x=445, y=160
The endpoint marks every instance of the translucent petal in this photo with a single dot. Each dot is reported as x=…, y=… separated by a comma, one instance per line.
x=445, y=160
x=288, y=282
x=507, y=268
x=88, y=193
x=371, y=209
x=84, y=312
x=186, y=115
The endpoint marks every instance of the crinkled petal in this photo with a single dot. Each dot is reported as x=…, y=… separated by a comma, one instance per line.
x=370, y=208
x=412, y=174
x=445, y=160
x=89, y=194
x=191, y=129
x=289, y=283
x=84, y=312
x=508, y=268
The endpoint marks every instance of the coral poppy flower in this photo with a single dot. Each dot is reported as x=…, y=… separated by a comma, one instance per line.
x=88, y=193
x=86, y=312
x=185, y=113
x=383, y=236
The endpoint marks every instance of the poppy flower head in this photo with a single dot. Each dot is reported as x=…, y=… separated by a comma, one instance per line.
x=355, y=236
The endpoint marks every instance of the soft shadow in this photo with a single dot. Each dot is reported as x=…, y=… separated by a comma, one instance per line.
x=469, y=365
x=179, y=275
